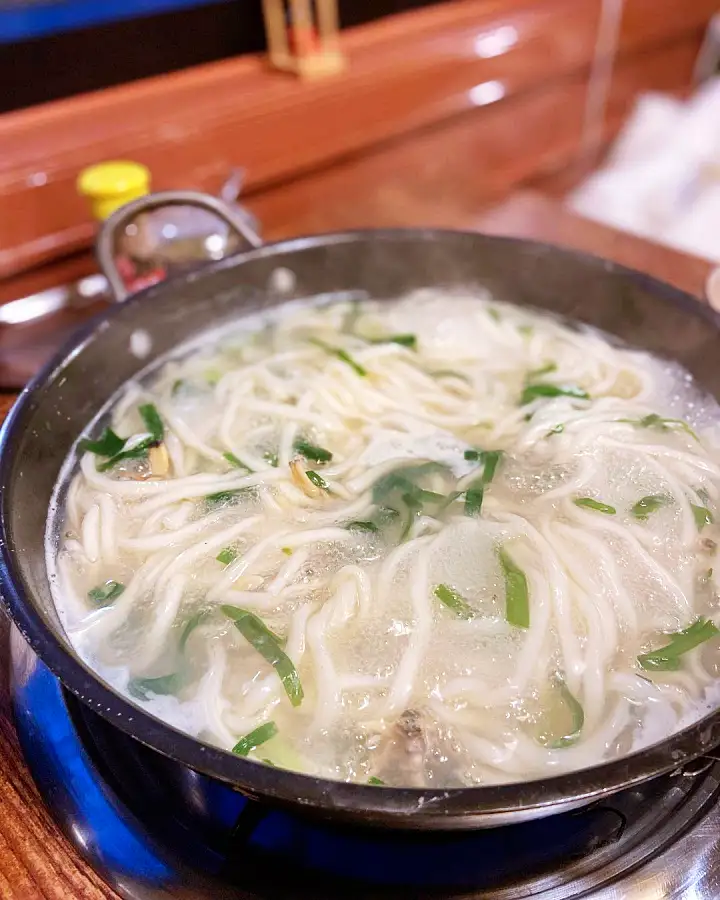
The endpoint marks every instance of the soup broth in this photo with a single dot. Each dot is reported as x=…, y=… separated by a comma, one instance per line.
x=438, y=541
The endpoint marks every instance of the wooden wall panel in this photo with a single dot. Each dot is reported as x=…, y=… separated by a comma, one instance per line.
x=406, y=73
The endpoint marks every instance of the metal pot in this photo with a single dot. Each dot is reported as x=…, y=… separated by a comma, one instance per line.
x=63, y=398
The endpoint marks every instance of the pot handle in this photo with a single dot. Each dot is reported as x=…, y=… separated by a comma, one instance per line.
x=105, y=244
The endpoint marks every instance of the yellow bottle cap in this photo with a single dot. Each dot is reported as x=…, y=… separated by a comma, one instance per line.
x=110, y=185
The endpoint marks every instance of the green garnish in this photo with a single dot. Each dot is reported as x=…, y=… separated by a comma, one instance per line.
x=493, y=313
x=399, y=490
x=152, y=420
x=312, y=451
x=271, y=458
x=526, y=330
x=405, y=340
x=190, y=626
x=256, y=737
x=106, y=593
x=287, y=551
x=490, y=458
x=340, y=354
x=558, y=429
x=362, y=526
x=702, y=516
x=108, y=444
x=475, y=492
x=221, y=497
x=234, y=461
x=317, y=480
x=533, y=391
x=517, y=604
x=667, y=658
x=474, y=496
x=646, y=505
x=662, y=424
x=543, y=370
x=589, y=503
x=454, y=601
x=268, y=646
x=376, y=781
x=165, y=684
x=226, y=556
x=578, y=719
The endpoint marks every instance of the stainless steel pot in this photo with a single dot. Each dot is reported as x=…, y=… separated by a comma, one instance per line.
x=62, y=399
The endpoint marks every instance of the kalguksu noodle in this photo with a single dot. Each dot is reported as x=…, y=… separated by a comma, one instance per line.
x=437, y=541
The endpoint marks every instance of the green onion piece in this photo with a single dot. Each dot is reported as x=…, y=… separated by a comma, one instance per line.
x=646, y=505
x=340, y=354
x=404, y=340
x=558, y=429
x=662, y=424
x=490, y=458
x=362, y=526
x=517, y=603
x=474, y=496
x=221, y=497
x=108, y=444
x=190, y=626
x=533, y=391
x=543, y=370
x=287, y=551
x=106, y=593
x=578, y=718
x=493, y=313
x=256, y=737
x=235, y=462
x=312, y=451
x=268, y=646
x=376, y=781
x=226, y=556
x=526, y=330
x=317, y=480
x=589, y=503
x=702, y=516
x=454, y=601
x=165, y=684
x=152, y=420
x=667, y=658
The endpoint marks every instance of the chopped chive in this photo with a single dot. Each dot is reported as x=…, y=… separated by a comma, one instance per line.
x=589, y=503
x=312, y=451
x=578, y=718
x=667, y=658
x=376, y=781
x=177, y=386
x=490, y=458
x=543, y=370
x=702, y=516
x=317, y=480
x=558, y=429
x=164, y=684
x=362, y=526
x=268, y=646
x=106, y=593
x=474, y=496
x=226, y=556
x=108, y=444
x=221, y=497
x=454, y=601
x=646, y=505
x=404, y=340
x=533, y=391
x=190, y=626
x=526, y=330
x=287, y=551
x=234, y=461
x=517, y=602
x=152, y=420
x=340, y=354
x=493, y=313
x=258, y=736
x=653, y=420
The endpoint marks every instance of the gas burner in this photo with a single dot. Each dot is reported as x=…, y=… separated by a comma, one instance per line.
x=153, y=828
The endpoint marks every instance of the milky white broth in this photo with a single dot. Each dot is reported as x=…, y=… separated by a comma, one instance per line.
x=439, y=541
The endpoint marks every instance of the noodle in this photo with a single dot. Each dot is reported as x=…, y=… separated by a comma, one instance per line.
x=437, y=541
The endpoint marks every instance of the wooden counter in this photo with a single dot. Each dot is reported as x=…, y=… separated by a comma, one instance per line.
x=36, y=861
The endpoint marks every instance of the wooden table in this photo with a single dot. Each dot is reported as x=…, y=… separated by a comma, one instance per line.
x=36, y=861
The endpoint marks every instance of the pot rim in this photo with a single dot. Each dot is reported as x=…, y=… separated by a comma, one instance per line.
x=406, y=807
